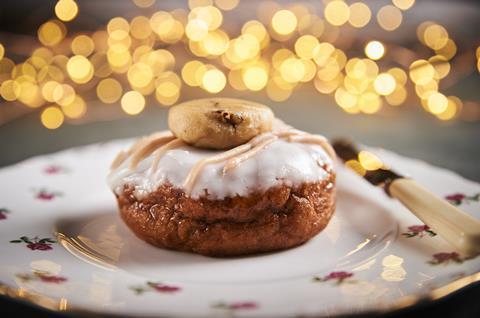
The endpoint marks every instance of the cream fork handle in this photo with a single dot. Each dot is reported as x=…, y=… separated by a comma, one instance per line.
x=455, y=226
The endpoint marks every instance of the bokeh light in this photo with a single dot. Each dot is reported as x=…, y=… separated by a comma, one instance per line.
x=133, y=102
x=52, y=117
x=66, y=10
x=389, y=17
x=278, y=49
x=374, y=50
x=284, y=22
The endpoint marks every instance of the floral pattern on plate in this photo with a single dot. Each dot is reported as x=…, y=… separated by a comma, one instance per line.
x=155, y=287
x=337, y=277
x=46, y=195
x=460, y=198
x=419, y=231
x=55, y=169
x=35, y=243
x=3, y=213
x=44, y=277
x=235, y=306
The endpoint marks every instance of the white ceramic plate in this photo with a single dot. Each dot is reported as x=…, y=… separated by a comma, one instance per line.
x=63, y=246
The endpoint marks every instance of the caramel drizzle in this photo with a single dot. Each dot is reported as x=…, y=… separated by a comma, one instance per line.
x=160, y=143
x=255, y=147
x=175, y=143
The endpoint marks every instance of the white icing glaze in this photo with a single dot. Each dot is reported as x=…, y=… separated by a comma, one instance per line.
x=281, y=162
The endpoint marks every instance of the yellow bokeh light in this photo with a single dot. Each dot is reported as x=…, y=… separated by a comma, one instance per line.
x=441, y=65
x=76, y=109
x=399, y=75
x=369, y=103
x=210, y=15
x=327, y=87
x=421, y=72
x=140, y=27
x=82, y=45
x=345, y=99
x=258, y=30
x=109, y=90
x=10, y=90
x=189, y=72
x=449, y=50
x=144, y=3
x=167, y=89
x=80, y=69
x=255, y=78
x=425, y=90
x=2, y=51
x=453, y=107
x=307, y=46
x=280, y=56
x=47, y=90
x=369, y=161
x=437, y=103
x=355, y=85
x=337, y=12
x=52, y=117
x=196, y=29
x=139, y=75
x=276, y=92
x=214, y=81
x=360, y=15
x=118, y=56
x=389, y=17
x=236, y=81
x=435, y=36
x=246, y=46
x=403, y=4
x=310, y=70
x=397, y=97
x=63, y=94
x=292, y=70
x=100, y=65
x=325, y=50
x=51, y=32
x=133, y=102
x=199, y=3
x=216, y=42
x=374, y=50
x=66, y=10
x=118, y=23
x=227, y=5
x=384, y=84
x=284, y=22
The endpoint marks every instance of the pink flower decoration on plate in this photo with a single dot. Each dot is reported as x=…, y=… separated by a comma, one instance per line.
x=3, y=213
x=45, y=195
x=52, y=278
x=339, y=277
x=156, y=287
x=419, y=230
x=36, y=244
x=54, y=169
x=44, y=277
x=445, y=258
x=241, y=305
x=459, y=198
